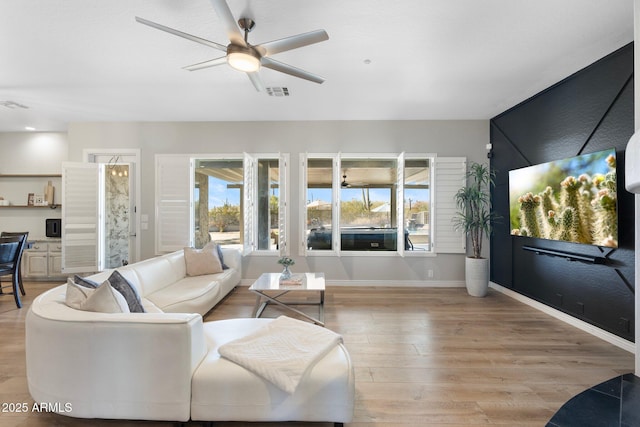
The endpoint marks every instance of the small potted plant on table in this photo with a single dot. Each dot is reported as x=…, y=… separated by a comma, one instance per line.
x=286, y=262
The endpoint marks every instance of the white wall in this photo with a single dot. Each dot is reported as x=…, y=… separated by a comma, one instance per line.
x=32, y=152
x=446, y=138
x=29, y=153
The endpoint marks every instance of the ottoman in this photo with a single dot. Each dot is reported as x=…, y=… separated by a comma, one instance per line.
x=224, y=391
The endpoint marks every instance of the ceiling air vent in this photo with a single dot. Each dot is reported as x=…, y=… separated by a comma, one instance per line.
x=12, y=105
x=278, y=91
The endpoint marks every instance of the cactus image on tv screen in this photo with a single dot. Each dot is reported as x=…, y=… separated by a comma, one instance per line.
x=573, y=199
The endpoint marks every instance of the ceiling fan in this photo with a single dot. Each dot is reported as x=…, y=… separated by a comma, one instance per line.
x=352, y=184
x=243, y=56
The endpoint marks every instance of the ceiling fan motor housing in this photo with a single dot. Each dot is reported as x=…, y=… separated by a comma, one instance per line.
x=243, y=58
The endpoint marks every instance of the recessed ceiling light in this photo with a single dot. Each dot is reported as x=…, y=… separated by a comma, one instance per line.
x=367, y=61
x=29, y=128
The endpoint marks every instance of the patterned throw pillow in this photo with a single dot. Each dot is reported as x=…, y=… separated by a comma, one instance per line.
x=202, y=261
x=127, y=290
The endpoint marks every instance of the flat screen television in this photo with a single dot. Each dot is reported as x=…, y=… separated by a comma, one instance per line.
x=572, y=200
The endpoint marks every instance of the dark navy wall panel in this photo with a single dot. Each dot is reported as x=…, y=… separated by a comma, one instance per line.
x=589, y=111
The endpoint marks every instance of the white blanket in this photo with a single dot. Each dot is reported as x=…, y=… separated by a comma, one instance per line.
x=282, y=351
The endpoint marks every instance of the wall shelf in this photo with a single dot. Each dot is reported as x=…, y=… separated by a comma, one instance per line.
x=29, y=207
x=569, y=256
x=15, y=186
x=29, y=175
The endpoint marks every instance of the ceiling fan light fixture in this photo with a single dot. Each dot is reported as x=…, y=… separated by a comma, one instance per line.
x=243, y=58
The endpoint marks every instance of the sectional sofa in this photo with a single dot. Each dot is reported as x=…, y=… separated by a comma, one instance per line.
x=164, y=364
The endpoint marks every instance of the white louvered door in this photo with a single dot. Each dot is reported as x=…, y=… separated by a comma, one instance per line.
x=173, y=202
x=81, y=195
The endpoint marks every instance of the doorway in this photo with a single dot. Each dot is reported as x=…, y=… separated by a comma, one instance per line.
x=120, y=220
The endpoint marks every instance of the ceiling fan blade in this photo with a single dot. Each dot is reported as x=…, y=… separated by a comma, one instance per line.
x=256, y=80
x=289, y=69
x=206, y=64
x=292, y=42
x=224, y=13
x=181, y=34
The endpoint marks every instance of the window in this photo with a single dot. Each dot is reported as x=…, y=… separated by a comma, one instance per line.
x=368, y=217
x=248, y=196
x=217, y=201
x=367, y=204
x=417, y=201
x=267, y=202
x=318, y=203
x=240, y=202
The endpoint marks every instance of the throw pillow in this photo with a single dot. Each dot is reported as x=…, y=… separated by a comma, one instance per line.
x=76, y=294
x=84, y=282
x=127, y=290
x=202, y=261
x=106, y=299
x=219, y=250
x=103, y=299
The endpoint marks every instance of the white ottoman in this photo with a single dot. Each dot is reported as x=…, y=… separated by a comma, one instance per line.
x=224, y=391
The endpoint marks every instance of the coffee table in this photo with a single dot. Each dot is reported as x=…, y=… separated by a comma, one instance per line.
x=269, y=290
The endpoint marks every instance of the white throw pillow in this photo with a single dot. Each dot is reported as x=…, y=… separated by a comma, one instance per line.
x=103, y=299
x=77, y=294
x=202, y=261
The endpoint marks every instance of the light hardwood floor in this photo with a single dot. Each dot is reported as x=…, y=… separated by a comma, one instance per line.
x=422, y=356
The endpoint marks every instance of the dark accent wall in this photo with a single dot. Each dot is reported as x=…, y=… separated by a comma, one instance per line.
x=592, y=110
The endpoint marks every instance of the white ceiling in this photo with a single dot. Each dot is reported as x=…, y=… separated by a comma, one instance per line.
x=89, y=60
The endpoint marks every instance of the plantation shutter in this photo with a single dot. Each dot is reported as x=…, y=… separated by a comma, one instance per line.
x=449, y=178
x=302, y=250
x=400, y=205
x=335, y=222
x=249, y=212
x=283, y=205
x=173, y=202
x=80, y=218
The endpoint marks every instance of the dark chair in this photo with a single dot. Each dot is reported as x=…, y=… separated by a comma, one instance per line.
x=10, y=255
x=24, y=235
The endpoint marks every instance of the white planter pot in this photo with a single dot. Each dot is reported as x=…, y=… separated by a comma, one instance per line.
x=477, y=276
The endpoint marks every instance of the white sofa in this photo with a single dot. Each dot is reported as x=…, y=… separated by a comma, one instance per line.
x=164, y=287
x=163, y=364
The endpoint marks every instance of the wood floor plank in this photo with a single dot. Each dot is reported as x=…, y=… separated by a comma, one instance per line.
x=422, y=357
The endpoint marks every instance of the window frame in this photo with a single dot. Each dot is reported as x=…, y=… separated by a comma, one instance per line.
x=336, y=249
x=249, y=199
x=432, y=199
x=174, y=204
x=250, y=215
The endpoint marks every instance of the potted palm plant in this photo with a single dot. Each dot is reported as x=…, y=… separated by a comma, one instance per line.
x=474, y=218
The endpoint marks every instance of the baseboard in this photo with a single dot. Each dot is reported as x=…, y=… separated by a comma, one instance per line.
x=387, y=283
x=580, y=324
x=399, y=283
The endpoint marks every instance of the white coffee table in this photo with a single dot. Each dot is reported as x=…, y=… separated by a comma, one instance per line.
x=270, y=290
